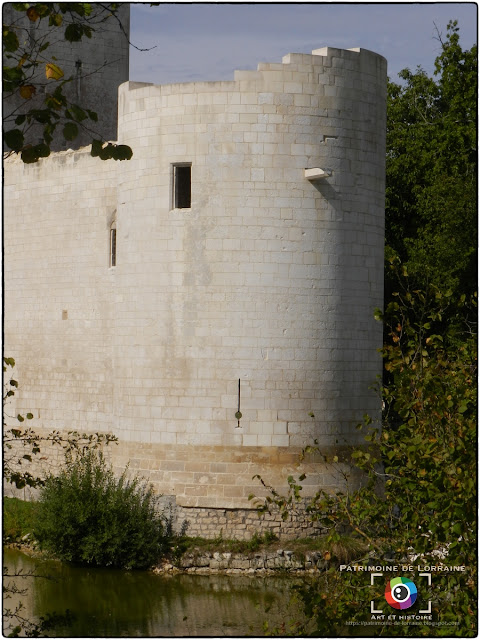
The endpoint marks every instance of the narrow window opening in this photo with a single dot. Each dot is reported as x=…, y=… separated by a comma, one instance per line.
x=182, y=186
x=113, y=246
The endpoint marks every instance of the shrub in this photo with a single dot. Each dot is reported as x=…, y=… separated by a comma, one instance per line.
x=18, y=518
x=87, y=515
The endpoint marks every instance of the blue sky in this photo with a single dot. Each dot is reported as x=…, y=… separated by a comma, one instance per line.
x=208, y=41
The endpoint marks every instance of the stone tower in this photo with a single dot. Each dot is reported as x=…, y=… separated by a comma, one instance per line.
x=97, y=66
x=232, y=265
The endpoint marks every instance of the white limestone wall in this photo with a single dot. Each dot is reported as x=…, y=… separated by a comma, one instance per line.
x=58, y=289
x=267, y=277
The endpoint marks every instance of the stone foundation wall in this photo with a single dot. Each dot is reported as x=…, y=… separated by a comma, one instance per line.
x=243, y=524
x=254, y=563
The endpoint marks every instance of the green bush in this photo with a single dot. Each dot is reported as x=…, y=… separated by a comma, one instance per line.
x=18, y=518
x=89, y=516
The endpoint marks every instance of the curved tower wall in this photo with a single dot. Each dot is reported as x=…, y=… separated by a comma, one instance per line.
x=268, y=277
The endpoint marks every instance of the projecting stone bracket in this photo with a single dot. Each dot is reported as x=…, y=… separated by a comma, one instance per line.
x=317, y=174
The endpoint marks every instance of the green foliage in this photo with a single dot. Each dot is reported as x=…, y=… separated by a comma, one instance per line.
x=431, y=171
x=286, y=504
x=184, y=544
x=257, y=541
x=115, y=151
x=427, y=448
x=18, y=518
x=419, y=498
x=29, y=70
x=87, y=515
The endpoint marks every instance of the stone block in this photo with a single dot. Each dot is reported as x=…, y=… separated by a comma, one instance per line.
x=240, y=563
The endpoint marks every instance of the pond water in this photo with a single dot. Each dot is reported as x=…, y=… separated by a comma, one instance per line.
x=114, y=603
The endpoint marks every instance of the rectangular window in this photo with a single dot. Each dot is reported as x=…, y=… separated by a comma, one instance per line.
x=113, y=247
x=182, y=186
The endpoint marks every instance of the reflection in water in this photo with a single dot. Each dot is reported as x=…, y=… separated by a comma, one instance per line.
x=113, y=603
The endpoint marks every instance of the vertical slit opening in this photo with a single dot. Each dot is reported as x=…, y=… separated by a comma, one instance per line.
x=113, y=247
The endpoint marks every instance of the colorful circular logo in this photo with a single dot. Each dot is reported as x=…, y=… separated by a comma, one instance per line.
x=400, y=593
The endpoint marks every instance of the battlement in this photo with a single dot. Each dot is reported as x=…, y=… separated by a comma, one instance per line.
x=319, y=57
x=307, y=69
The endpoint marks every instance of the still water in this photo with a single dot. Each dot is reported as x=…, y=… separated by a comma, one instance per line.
x=113, y=603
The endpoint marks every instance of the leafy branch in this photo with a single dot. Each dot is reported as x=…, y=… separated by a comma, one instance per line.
x=36, y=82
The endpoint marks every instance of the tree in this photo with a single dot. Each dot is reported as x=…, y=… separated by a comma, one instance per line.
x=431, y=203
x=40, y=102
x=418, y=504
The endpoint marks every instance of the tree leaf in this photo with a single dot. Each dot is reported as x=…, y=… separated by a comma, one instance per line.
x=27, y=91
x=20, y=6
x=14, y=139
x=53, y=71
x=32, y=14
x=70, y=131
x=96, y=148
x=10, y=40
x=55, y=20
x=33, y=153
x=12, y=78
x=78, y=113
x=110, y=151
x=74, y=32
x=53, y=101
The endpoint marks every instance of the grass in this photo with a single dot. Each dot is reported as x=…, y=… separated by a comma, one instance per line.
x=345, y=550
x=18, y=518
x=222, y=545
